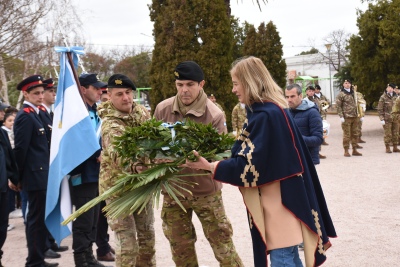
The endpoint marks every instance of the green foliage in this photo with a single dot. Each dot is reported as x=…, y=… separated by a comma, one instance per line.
x=137, y=68
x=266, y=45
x=374, y=56
x=196, y=30
x=95, y=63
x=154, y=141
x=309, y=52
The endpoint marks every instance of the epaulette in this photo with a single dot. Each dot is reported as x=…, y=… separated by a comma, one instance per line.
x=42, y=108
x=29, y=109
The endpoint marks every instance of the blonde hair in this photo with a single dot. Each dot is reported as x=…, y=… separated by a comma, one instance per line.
x=257, y=82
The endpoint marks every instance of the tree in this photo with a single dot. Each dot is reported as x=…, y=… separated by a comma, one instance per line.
x=17, y=21
x=100, y=64
x=136, y=67
x=313, y=50
x=266, y=45
x=338, y=52
x=374, y=56
x=196, y=30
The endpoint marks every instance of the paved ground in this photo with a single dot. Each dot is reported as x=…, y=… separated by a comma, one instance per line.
x=362, y=195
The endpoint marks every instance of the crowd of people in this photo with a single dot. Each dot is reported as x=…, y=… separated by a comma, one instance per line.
x=285, y=203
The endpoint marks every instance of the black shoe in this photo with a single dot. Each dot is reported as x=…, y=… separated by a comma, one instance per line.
x=50, y=264
x=50, y=254
x=55, y=248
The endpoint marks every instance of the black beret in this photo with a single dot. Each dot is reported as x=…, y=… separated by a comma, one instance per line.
x=31, y=82
x=50, y=83
x=189, y=70
x=392, y=85
x=310, y=87
x=120, y=81
x=318, y=87
x=86, y=79
x=347, y=80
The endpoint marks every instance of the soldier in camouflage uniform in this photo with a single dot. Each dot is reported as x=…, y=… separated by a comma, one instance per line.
x=396, y=109
x=310, y=94
x=318, y=95
x=347, y=111
x=238, y=118
x=206, y=198
x=214, y=100
x=360, y=98
x=134, y=235
x=390, y=126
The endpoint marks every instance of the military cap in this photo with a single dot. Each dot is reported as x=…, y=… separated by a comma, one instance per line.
x=189, y=70
x=347, y=80
x=86, y=79
x=120, y=81
x=50, y=84
x=392, y=85
x=318, y=87
x=310, y=87
x=31, y=82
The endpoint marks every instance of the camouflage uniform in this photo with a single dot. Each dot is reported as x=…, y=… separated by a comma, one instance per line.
x=391, y=126
x=238, y=118
x=205, y=201
x=321, y=98
x=130, y=251
x=347, y=109
x=360, y=96
x=396, y=114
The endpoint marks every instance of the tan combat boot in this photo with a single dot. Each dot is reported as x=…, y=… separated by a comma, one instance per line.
x=358, y=146
x=355, y=152
x=346, y=152
x=395, y=149
x=388, y=149
x=360, y=140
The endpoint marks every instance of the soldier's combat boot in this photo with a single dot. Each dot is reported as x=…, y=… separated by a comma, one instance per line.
x=395, y=149
x=325, y=143
x=388, y=149
x=346, y=152
x=356, y=153
x=360, y=140
x=358, y=146
x=80, y=260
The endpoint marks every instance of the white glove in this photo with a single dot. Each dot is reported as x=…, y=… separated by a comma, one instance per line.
x=234, y=133
x=362, y=119
x=341, y=120
x=382, y=122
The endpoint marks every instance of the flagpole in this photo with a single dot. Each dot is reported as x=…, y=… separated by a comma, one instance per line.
x=71, y=63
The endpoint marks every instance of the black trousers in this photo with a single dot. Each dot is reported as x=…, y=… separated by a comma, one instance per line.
x=3, y=219
x=102, y=237
x=84, y=228
x=36, y=231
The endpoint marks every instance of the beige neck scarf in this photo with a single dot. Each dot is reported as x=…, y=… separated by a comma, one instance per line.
x=198, y=105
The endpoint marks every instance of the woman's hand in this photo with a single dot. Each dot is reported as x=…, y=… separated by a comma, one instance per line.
x=200, y=164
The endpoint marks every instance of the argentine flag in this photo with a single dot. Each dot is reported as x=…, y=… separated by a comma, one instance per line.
x=73, y=140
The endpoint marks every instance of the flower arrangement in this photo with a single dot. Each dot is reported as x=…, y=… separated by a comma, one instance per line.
x=159, y=149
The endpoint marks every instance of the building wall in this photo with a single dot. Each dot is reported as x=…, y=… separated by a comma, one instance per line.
x=316, y=66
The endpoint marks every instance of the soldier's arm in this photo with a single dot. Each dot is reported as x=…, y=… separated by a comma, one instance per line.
x=381, y=112
x=339, y=106
x=234, y=118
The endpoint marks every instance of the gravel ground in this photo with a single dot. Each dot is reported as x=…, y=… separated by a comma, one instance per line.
x=362, y=195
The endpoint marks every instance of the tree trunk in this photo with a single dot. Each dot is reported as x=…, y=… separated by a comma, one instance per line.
x=3, y=82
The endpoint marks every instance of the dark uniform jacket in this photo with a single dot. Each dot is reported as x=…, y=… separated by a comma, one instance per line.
x=8, y=165
x=31, y=149
x=47, y=122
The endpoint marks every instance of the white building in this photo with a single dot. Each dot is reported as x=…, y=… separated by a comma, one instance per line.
x=315, y=66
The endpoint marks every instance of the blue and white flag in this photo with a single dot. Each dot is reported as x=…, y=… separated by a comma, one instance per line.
x=73, y=140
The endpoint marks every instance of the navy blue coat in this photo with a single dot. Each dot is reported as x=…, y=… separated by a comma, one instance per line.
x=47, y=122
x=31, y=149
x=309, y=122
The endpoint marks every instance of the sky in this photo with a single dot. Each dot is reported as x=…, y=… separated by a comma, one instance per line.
x=301, y=24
